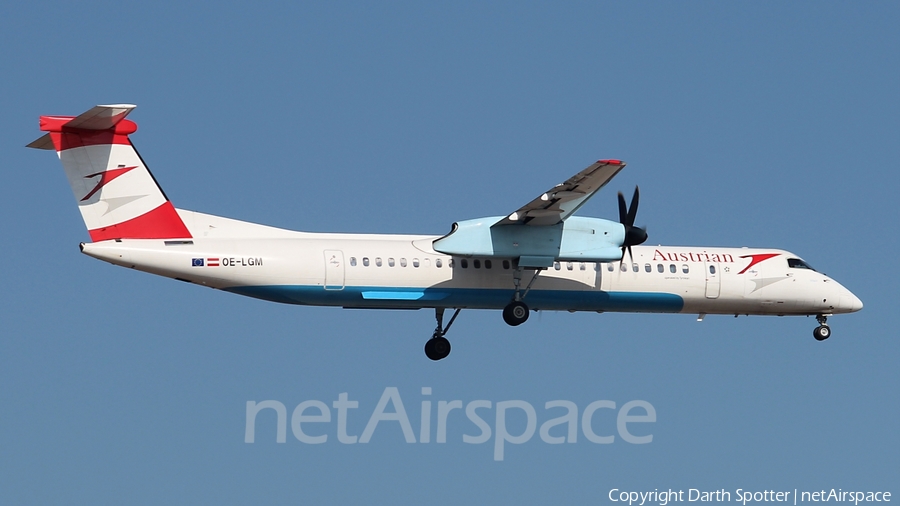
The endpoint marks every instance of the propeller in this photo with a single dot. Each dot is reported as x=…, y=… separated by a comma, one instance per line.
x=633, y=235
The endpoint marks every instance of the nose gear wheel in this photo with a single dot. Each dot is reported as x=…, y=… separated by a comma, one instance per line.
x=823, y=331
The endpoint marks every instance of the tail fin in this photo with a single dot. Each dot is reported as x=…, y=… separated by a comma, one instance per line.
x=117, y=196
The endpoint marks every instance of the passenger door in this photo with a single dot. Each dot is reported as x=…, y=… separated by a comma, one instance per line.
x=334, y=269
x=713, y=281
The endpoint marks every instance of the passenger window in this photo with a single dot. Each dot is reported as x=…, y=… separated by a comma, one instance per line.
x=390, y=262
x=610, y=267
x=437, y=263
x=464, y=263
x=569, y=266
x=365, y=261
x=476, y=263
x=648, y=267
x=712, y=269
x=487, y=264
x=623, y=267
x=352, y=261
x=377, y=261
x=672, y=268
x=685, y=268
x=635, y=267
x=660, y=268
x=403, y=262
x=556, y=265
x=415, y=262
x=506, y=264
x=581, y=266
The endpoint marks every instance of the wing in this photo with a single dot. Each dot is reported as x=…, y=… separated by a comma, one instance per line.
x=559, y=202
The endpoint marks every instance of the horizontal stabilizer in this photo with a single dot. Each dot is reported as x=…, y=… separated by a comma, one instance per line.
x=101, y=117
x=42, y=142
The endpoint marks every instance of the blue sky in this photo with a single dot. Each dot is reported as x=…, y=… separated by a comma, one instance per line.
x=764, y=124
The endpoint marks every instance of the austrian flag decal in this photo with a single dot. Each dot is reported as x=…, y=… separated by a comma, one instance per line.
x=201, y=262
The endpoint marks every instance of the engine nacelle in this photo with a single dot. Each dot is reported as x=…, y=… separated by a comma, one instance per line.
x=575, y=239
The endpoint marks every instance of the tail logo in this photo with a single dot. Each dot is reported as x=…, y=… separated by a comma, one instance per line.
x=106, y=177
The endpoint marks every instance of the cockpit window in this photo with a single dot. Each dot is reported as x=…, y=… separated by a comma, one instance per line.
x=796, y=263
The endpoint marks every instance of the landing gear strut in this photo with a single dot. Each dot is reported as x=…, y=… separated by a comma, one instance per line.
x=438, y=347
x=822, y=332
x=516, y=312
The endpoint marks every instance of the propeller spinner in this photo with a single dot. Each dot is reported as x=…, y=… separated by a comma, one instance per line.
x=633, y=235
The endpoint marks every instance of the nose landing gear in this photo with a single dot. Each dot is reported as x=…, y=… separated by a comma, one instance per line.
x=823, y=331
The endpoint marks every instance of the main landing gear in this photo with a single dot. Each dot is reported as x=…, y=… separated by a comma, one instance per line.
x=438, y=346
x=823, y=331
x=516, y=312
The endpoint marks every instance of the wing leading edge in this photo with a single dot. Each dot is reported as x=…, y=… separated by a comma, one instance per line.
x=561, y=201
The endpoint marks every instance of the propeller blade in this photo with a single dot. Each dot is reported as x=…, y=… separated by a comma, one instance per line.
x=632, y=211
x=633, y=235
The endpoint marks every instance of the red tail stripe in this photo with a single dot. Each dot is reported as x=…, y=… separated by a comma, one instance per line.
x=79, y=138
x=67, y=138
x=160, y=223
x=58, y=124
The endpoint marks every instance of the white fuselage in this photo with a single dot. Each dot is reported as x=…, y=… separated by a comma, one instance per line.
x=404, y=271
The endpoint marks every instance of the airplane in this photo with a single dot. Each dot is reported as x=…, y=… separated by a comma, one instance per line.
x=540, y=257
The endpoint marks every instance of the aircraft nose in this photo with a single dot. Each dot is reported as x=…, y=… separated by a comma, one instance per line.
x=849, y=302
